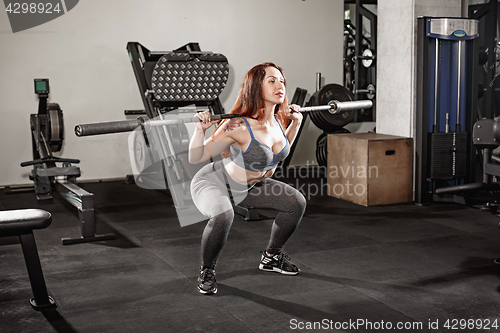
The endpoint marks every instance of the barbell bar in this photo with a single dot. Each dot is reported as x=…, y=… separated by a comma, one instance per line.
x=130, y=125
x=334, y=107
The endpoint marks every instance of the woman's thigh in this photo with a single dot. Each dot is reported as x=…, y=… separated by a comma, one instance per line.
x=210, y=196
x=273, y=194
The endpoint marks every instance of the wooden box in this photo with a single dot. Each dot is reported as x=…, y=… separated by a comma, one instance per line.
x=369, y=168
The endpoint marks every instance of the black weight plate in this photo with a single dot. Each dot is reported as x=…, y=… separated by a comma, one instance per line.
x=321, y=149
x=56, y=127
x=175, y=138
x=339, y=93
x=179, y=137
x=314, y=118
x=140, y=159
x=184, y=138
x=322, y=146
x=317, y=118
x=324, y=119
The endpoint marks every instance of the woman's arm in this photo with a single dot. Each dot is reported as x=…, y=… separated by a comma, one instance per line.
x=293, y=128
x=200, y=149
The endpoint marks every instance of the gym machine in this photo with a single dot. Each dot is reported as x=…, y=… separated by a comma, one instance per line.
x=444, y=116
x=47, y=129
x=484, y=94
x=485, y=55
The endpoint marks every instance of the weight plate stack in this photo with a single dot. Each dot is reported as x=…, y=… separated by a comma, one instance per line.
x=179, y=137
x=322, y=147
x=324, y=119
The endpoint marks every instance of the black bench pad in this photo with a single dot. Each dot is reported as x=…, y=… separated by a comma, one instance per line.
x=23, y=221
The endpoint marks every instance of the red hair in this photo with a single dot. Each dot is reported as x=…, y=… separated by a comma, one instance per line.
x=250, y=101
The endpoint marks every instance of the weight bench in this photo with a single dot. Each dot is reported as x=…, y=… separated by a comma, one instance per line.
x=21, y=223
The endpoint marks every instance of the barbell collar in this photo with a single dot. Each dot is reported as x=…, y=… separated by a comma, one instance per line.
x=338, y=107
x=106, y=128
x=315, y=108
x=335, y=107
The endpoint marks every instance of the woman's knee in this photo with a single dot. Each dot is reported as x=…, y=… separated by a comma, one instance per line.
x=223, y=220
x=296, y=201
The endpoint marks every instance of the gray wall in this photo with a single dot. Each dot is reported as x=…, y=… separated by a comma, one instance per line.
x=83, y=54
x=396, y=59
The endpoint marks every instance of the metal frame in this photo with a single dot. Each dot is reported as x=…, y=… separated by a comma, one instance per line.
x=487, y=14
x=361, y=12
x=17, y=228
x=41, y=299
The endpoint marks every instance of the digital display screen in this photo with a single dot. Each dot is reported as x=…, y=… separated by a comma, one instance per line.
x=41, y=86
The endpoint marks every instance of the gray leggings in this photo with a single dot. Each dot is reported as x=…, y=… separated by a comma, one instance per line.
x=214, y=193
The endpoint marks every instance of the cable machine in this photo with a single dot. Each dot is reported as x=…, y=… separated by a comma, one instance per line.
x=444, y=117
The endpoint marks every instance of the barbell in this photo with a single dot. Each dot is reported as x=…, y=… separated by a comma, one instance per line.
x=333, y=107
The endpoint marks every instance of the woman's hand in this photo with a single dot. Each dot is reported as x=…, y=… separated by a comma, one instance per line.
x=294, y=114
x=205, y=120
x=296, y=117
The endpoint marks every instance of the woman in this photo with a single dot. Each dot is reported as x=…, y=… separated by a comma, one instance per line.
x=254, y=143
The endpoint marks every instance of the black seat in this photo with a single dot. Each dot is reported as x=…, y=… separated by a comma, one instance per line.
x=21, y=223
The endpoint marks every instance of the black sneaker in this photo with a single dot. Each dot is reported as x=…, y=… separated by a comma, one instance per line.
x=206, y=281
x=280, y=263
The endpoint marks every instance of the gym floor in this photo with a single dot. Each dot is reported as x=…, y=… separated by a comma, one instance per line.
x=362, y=269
